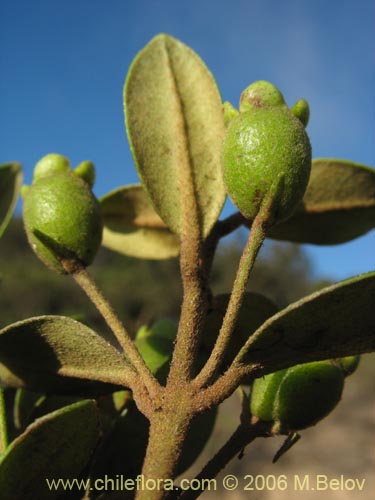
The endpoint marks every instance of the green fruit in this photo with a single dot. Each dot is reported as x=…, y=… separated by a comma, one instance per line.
x=62, y=220
x=263, y=394
x=261, y=94
x=266, y=148
x=307, y=394
x=297, y=397
x=86, y=170
x=51, y=164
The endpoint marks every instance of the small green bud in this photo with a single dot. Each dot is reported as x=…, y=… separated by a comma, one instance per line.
x=298, y=397
x=24, y=190
x=263, y=146
x=86, y=171
x=51, y=164
x=260, y=94
x=230, y=112
x=62, y=220
x=349, y=364
x=301, y=110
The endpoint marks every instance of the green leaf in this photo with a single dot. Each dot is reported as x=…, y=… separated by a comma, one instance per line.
x=51, y=354
x=175, y=126
x=156, y=344
x=336, y=321
x=10, y=184
x=338, y=206
x=58, y=445
x=24, y=404
x=132, y=227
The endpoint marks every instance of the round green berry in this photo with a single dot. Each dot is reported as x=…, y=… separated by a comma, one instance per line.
x=307, y=393
x=62, y=220
x=51, y=164
x=297, y=397
x=261, y=147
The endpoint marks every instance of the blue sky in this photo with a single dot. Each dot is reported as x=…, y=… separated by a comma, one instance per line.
x=63, y=65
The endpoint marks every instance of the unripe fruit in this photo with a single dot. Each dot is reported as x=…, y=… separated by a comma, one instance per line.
x=297, y=397
x=264, y=146
x=51, y=164
x=62, y=220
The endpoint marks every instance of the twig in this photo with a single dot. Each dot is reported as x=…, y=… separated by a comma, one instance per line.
x=3, y=423
x=246, y=264
x=86, y=282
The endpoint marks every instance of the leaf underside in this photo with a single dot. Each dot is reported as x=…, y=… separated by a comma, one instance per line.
x=10, y=184
x=133, y=228
x=60, y=355
x=336, y=321
x=175, y=126
x=58, y=445
x=338, y=206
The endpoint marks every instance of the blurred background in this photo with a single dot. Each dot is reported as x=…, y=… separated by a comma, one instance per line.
x=63, y=67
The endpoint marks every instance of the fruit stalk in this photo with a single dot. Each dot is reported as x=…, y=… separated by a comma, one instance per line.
x=246, y=264
x=3, y=423
x=86, y=282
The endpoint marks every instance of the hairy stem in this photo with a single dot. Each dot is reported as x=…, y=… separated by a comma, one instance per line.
x=168, y=429
x=3, y=423
x=86, y=282
x=246, y=264
x=222, y=228
x=194, y=281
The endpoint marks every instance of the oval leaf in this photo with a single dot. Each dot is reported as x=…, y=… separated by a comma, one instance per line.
x=338, y=206
x=334, y=322
x=51, y=353
x=175, y=126
x=132, y=227
x=10, y=184
x=58, y=445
